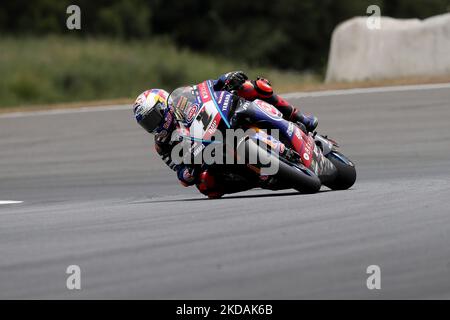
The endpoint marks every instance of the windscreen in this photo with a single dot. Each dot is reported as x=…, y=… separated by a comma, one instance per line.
x=184, y=103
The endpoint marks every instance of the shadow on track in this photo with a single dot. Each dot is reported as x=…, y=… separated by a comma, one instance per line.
x=228, y=197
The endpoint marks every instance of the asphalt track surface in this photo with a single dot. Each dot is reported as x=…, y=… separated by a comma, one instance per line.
x=95, y=195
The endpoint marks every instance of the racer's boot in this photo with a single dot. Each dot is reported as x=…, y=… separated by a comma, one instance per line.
x=309, y=122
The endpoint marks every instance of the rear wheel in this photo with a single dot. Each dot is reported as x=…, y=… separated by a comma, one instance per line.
x=296, y=176
x=346, y=173
x=301, y=178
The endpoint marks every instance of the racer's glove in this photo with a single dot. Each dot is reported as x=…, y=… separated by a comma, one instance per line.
x=310, y=122
x=186, y=175
x=234, y=80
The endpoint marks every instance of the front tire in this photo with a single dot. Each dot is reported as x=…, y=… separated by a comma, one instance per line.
x=346, y=172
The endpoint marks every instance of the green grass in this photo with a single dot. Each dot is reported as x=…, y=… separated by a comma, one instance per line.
x=64, y=69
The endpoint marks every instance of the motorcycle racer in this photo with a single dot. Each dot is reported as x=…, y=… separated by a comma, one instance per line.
x=155, y=114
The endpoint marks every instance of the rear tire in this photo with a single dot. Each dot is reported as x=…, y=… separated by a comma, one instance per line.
x=297, y=177
x=301, y=179
x=346, y=172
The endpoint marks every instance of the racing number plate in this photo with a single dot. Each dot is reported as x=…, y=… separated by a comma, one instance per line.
x=206, y=121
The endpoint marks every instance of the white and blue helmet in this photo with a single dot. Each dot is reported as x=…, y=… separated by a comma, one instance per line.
x=149, y=109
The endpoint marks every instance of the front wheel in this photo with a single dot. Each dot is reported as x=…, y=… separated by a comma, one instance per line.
x=346, y=172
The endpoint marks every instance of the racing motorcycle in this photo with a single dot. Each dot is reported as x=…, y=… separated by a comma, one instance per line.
x=304, y=161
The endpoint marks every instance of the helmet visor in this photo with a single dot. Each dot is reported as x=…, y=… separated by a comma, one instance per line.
x=153, y=118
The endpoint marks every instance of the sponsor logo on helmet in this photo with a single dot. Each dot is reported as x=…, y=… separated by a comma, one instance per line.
x=140, y=99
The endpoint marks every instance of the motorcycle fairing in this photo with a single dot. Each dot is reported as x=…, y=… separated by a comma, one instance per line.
x=261, y=112
x=200, y=110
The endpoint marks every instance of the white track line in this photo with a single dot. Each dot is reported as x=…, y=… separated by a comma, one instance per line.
x=288, y=95
x=9, y=202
